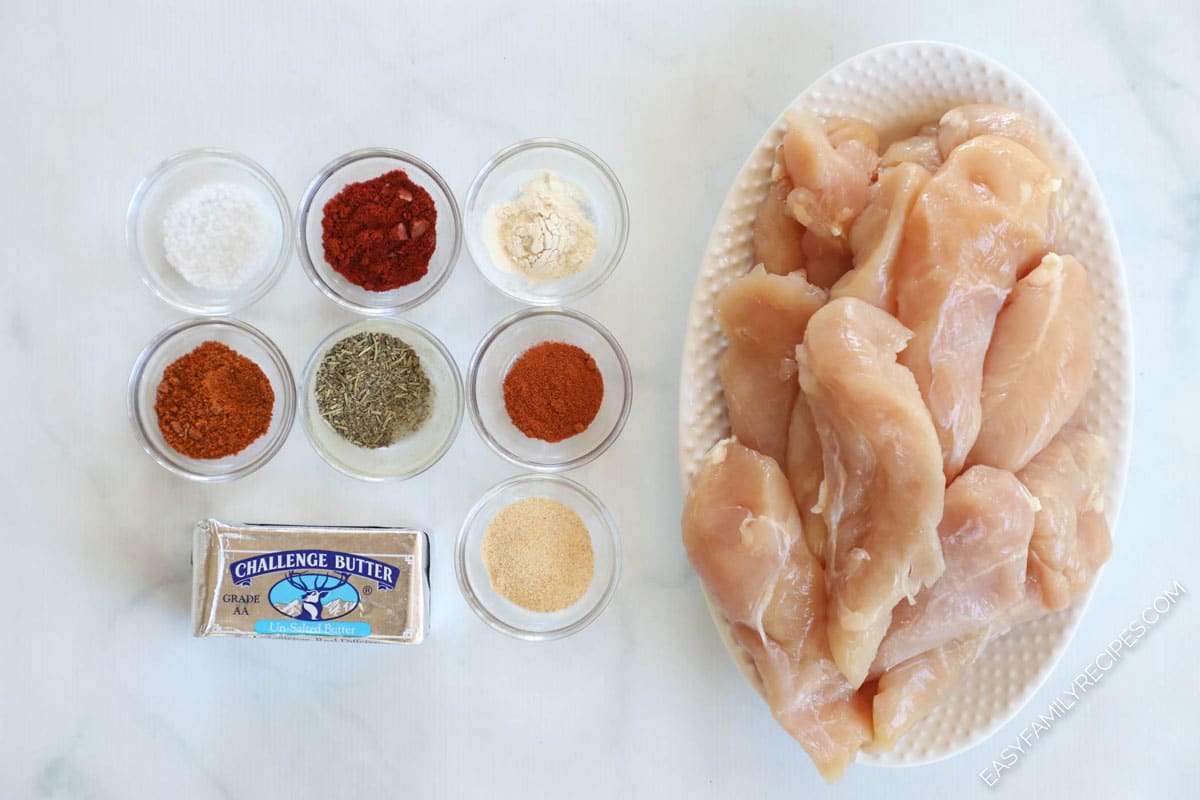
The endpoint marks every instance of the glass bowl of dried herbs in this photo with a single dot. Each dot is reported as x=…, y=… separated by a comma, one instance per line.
x=212, y=399
x=381, y=398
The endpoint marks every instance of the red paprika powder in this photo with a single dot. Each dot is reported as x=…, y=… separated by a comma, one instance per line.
x=213, y=402
x=553, y=391
x=380, y=234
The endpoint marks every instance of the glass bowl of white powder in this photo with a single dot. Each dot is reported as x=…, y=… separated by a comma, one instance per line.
x=546, y=221
x=210, y=231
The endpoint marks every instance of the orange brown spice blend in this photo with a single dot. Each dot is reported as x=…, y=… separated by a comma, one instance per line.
x=553, y=391
x=213, y=402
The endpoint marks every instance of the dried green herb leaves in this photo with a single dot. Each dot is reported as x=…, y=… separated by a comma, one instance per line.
x=372, y=389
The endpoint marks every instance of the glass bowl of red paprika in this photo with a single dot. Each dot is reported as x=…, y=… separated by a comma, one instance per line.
x=378, y=231
x=179, y=224
x=549, y=389
x=221, y=375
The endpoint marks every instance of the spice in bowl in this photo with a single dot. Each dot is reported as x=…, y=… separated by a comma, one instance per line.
x=538, y=555
x=553, y=391
x=372, y=389
x=545, y=233
x=380, y=234
x=213, y=402
x=217, y=236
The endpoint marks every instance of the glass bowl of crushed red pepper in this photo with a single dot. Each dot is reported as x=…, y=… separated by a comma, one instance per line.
x=212, y=399
x=210, y=231
x=378, y=231
x=538, y=557
x=381, y=398
x=549, y=389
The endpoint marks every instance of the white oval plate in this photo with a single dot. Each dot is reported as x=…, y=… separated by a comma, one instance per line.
x=896, y=87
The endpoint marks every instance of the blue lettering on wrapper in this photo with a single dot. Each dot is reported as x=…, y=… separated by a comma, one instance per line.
x=295, y=627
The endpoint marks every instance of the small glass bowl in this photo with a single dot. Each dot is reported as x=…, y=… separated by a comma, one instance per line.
x=502, y=178
x=508, y=617
x=494, y=357
x=181, y=339
x=414, y=453
x=364, y=165
x=169, y=181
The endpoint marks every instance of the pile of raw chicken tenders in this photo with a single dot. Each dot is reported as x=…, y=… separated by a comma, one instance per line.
x=904, y=482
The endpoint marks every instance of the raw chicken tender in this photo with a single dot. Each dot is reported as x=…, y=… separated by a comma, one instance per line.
x=805, y=472
x=764, y=317
x=908, y=692
x=921, y=149
x=1070, y=535
x=742, y=535
x=830, y=164
x=877, y=233
x=985, y=530
x=984, y=218
x=978, y=119
x=844, y=130
x=777, y=234
x=826, y=259
x=1039, y=365
x=882, y=468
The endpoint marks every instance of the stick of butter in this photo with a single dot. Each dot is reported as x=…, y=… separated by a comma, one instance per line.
x=296, y=582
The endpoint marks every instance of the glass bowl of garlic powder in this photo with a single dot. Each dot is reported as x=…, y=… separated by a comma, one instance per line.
x=538, y=557
x=546, y=221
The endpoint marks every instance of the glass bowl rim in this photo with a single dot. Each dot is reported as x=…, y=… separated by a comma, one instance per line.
x=134, y=211
x=481, y=351
x=304, y=208
x=310, y=369
x=477, y=605
x=287, y=414
x=601, y=166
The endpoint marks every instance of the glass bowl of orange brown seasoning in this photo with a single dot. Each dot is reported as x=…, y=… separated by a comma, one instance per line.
x=538, y=557
x=549, y=389
x=212, y=400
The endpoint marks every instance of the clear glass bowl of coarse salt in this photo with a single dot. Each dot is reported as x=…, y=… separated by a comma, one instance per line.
x=486, y=573
x=210, y=231
x=546, y=221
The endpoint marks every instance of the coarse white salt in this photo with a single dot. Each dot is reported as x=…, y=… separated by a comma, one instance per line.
x=217, y=236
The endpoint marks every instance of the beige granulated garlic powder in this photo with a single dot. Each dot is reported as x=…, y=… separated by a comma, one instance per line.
x=544, y=234
x=538, y=554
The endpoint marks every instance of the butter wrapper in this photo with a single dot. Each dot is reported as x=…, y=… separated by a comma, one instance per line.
x=298, y=582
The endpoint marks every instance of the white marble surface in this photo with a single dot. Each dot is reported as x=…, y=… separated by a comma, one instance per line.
x=103, y=694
